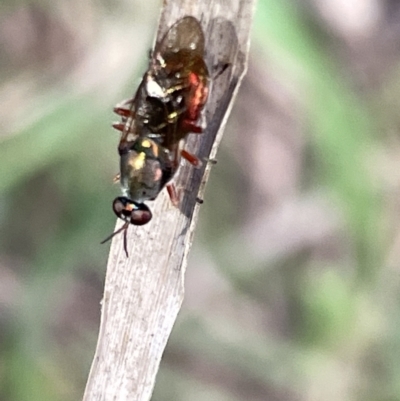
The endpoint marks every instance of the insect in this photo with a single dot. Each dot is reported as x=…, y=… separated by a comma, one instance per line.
x=165, y=109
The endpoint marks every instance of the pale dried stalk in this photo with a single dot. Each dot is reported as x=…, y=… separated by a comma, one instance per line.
x=143, y=294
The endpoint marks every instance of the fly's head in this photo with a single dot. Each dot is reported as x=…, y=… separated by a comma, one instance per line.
x=131, y=212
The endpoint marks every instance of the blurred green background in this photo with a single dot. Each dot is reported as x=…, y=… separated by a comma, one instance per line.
x=292, y=290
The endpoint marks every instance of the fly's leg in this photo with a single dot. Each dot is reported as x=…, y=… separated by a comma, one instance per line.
x=173, y=194
x=124, y=108
x=194, y=160
x=117, y=178
x=118, y=126
x=190, y=126
x=191, y=158
x=123, y=112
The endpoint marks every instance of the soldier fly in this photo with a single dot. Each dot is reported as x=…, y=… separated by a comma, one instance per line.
x=165, y=109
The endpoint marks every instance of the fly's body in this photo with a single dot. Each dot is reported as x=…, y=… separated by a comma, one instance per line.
x=165, y=109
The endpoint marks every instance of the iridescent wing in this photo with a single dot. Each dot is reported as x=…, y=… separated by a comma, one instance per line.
x=184, y=34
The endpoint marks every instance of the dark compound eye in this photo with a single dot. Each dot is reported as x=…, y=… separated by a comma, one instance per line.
x=118, y=207
x=122, y=207
x=140, y=215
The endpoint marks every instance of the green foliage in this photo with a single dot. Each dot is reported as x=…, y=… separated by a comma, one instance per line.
x=285, y=322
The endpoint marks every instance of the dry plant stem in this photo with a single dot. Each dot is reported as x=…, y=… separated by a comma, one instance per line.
x=143, y=293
